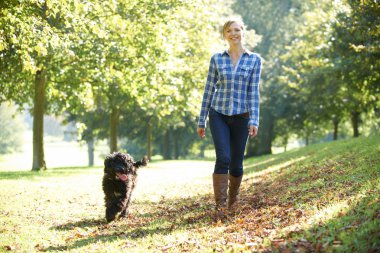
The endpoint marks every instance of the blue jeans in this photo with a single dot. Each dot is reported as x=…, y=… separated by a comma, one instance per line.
x=230, y=134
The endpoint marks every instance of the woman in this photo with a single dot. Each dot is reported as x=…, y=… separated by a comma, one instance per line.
x=231, y=100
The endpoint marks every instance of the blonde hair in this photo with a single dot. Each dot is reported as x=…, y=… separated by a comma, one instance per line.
x=229, y=22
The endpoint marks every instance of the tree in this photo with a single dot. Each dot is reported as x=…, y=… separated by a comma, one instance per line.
x=325, y=60
x=322, y=58
x=175, y=89
x=174, y=63
x=277, y=23
x=35, y=45
x=307, y=72
x=134, y=64
x=91, y=126
x=129, y=59
x=356, y=51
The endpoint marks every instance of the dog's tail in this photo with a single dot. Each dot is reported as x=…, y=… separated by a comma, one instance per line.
x=143, y=162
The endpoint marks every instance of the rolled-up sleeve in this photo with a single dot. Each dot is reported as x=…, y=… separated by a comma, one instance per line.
x=208, y=94
x=253, y=95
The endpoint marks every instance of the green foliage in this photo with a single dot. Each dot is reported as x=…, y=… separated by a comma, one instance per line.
x=36, y=35
x=150, y=68
x=105, y=57
x=355, y=52
x=321, y=65
x=146, y=61
x=12, y=129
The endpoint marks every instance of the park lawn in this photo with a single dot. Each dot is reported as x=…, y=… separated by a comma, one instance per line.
x=322, y=198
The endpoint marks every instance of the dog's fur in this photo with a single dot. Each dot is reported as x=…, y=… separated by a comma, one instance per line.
x=119, y=180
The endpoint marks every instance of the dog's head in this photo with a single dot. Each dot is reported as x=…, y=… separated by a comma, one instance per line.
x=119, y=165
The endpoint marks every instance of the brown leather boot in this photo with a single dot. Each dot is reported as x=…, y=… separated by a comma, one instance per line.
x=233, y=192
x=220, y=183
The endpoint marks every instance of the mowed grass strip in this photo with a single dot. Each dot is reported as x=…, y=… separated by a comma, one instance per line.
x=324, y=198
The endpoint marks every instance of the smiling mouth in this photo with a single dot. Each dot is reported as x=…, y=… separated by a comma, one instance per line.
x=121, y=176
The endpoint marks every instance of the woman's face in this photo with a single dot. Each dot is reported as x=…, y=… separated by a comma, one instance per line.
x=233, y=34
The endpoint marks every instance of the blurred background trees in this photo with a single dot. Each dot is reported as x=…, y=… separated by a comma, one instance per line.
x=321, y=67
x=12, y=129
x=132, y=72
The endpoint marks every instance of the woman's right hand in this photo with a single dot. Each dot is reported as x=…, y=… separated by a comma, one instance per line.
x=201, y=132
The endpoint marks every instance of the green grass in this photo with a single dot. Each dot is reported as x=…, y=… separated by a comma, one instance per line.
x=322, y=198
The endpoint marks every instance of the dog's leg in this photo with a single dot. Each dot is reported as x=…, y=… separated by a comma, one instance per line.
x=114, y=208
x=125, y=206
x=127, y=199
x=111, y=211
x=110, y=214
x=124, y=213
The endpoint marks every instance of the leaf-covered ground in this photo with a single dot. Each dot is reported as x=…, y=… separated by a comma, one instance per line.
x=323, y=198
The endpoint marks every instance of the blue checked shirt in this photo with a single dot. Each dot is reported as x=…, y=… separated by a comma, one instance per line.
x=230, y=90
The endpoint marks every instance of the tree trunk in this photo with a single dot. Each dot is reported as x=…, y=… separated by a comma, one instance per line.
x=355, y=118
x=176, y=144
x=262, y=143
x=149, y=142
x=336, y=125
x=166, y=146
x=201, y=153
x=38, y=121
x=90, y=151
x=114, y=122
x=285, y=143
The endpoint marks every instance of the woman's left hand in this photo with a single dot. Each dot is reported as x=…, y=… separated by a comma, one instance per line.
x=252, y=131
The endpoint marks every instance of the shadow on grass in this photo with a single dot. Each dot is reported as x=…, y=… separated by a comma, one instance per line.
x=336, y=188
x=276, y=204
x=85, y=223
x=314, y=153
x=162, y=218
x=356, y=229
x=49, y=173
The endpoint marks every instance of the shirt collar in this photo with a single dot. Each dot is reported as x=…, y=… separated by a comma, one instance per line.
x=246, y=51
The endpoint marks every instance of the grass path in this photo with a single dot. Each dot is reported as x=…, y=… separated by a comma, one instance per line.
x=323, y=198
x=61, y=204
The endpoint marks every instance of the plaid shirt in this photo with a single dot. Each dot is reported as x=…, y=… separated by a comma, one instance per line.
x=232, y=91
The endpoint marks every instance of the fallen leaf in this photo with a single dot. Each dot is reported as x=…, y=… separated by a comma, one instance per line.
x=79, y=235
x=10, y=247
x=278, y=240
x=372, y=202
x=165, y=248
x=39, y=247
x=240, y=221
x=341, y=214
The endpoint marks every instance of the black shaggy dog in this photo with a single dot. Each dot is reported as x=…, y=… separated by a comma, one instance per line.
x=119, y=180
